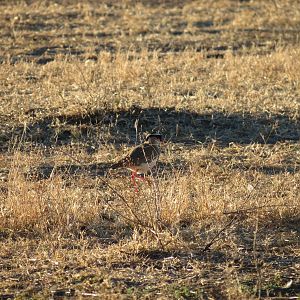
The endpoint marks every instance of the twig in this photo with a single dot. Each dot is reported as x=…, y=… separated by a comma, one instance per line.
x=234, y=218
x=137, y=221
x=108, y=185
x=215, y=238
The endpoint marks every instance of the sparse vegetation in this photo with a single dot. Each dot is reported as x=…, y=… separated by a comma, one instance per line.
x=81, y=82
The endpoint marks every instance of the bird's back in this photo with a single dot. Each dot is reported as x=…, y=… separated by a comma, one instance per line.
x=142, y=155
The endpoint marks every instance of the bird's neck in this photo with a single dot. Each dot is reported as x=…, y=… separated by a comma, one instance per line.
x=153, y=143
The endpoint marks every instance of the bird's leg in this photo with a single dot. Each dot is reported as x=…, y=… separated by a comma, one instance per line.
x=133, y=176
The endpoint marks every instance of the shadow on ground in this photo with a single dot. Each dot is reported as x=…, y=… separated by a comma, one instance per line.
x=94, y=170
x=178, y=126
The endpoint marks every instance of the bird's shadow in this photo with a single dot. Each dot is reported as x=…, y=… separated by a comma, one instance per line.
x=94, y=170
x=92, y=130
x=45, y=171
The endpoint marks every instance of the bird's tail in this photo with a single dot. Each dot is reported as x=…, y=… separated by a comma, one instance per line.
x=117, y=165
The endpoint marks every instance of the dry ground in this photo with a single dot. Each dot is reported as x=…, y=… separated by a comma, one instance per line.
x=82, y=82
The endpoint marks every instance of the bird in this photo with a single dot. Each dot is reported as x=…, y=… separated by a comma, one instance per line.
x=142, y=158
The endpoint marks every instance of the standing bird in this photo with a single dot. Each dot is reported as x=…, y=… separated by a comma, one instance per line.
x=142, y=158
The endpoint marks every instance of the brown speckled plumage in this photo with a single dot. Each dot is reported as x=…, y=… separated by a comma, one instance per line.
x=142, y=158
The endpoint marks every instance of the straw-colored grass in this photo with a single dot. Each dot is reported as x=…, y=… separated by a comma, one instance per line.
x=219, y=79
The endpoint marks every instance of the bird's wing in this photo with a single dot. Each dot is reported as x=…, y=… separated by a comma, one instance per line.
x=143, y=154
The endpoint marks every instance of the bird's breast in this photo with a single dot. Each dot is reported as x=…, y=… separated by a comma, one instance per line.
x=143, y=168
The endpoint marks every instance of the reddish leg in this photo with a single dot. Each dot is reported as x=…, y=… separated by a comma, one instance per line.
x=133, y=176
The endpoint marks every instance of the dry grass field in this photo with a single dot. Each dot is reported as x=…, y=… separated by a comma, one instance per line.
x=83, y=81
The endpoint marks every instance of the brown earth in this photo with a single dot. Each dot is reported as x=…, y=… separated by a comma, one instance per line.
x=82, y=81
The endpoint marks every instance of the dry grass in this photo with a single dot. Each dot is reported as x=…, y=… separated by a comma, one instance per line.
x=81, y=82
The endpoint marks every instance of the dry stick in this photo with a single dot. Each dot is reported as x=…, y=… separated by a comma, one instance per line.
x=234, y=218
x=235, y=213
x=112, y=188
x=123, y=200
x=215, y=238
x=116, y=211
x=139, y=221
